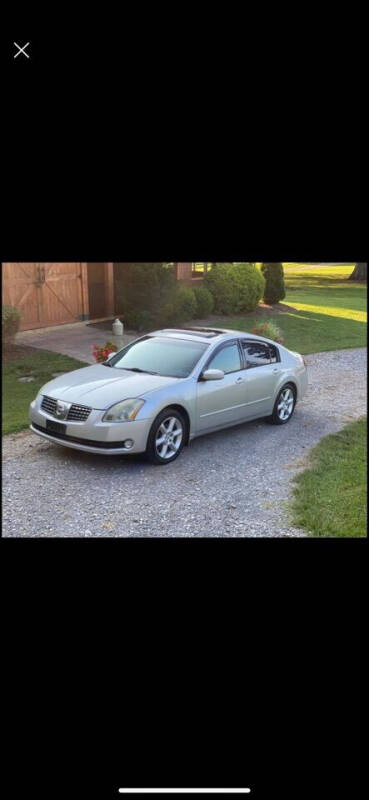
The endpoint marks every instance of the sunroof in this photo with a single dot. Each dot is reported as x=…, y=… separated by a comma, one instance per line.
x=207, y=333
x=204, y=331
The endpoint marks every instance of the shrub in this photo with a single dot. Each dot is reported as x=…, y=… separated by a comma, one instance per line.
x=10, y=324
x=185, y=306
x=218, y=282
x=131, y=319
x=143, y=286
x=235, y=287
x=204, y=300
x=101, y=353
x=274, y=283
x=167, y=315
x=146, y=321
x=269, y=330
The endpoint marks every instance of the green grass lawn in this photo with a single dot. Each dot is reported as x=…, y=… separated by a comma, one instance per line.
x=330, y=496
x=328, y=312
x=17, y=396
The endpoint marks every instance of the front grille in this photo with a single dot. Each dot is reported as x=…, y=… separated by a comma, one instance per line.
x=79, y=413
x=76, y=412
x=48, y=404
x=79, y=440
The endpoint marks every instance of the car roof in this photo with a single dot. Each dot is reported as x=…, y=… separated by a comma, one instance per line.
x=207, y=335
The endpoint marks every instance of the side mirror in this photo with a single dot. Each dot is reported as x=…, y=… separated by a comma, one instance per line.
x=212, y=375
x=110, y=356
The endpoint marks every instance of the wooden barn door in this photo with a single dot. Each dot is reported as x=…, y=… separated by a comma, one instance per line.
x=20, y=289
x=45, y=293
x=60, y=293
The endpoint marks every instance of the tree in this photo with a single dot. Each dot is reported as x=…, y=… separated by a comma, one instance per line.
x=359, y=273
x=274, y=283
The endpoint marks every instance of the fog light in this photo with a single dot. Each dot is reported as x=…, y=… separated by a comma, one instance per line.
x=128, y=443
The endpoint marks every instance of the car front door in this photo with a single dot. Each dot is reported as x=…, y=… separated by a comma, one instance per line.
x=263, y=370
x=222, y=402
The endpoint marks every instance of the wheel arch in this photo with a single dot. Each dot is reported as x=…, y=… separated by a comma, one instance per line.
x=183, y=411
x=289, y=382
x=185, y=414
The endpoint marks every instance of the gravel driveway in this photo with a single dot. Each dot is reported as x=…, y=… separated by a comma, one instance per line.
x=231, y=483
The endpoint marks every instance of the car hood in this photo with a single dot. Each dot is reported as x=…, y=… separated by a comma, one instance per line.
x=100, y=387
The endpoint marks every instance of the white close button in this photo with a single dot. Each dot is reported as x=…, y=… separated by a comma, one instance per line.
x=21, y=49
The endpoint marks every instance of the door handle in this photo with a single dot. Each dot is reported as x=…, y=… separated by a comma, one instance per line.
x=276, y=370
x=239, y=380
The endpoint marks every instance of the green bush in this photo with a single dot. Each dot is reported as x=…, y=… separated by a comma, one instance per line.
x=269, y=330
x=185, y=306
x=142, y=286
x=140, y=320
x=166, y=315
x=235, y=287
x=204, y=300
x=219, y=283
x=147, y=321
x=274, y=283
x=131, y=319
x=10, y=324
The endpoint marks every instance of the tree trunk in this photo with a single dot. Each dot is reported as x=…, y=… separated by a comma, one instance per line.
x=359, y=273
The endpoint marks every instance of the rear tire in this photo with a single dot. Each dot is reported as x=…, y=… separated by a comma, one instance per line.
x=167, y=437
x=284, y=405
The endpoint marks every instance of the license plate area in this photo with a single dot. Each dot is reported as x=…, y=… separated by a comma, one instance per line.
x=55, y=427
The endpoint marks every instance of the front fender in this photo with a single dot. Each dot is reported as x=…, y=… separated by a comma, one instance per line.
x=183, y=395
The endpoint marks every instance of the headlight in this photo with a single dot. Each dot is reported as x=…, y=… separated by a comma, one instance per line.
x=125, y=411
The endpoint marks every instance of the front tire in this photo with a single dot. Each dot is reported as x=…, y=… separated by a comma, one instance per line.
x=284, y=405
x=167, y=437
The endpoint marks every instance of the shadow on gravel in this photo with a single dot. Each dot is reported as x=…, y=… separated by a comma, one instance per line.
x=220, y=445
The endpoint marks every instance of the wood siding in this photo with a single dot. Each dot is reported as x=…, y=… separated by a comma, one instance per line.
x=184, y=271
x=96, y=289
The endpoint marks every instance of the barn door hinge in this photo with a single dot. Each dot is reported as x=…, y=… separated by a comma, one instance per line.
x=40, y=275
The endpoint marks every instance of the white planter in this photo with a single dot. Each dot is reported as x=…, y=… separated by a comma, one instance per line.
x=118, y=328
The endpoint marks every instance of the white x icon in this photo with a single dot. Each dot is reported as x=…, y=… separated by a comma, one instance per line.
x=21, y=50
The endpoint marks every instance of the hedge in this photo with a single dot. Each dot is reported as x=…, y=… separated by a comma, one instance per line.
x=204, y=301
x=235, y=287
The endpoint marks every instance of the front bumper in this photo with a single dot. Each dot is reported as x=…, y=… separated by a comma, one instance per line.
x=94, y=430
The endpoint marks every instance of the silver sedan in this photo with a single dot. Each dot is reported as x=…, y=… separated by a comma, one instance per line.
x=162, y=390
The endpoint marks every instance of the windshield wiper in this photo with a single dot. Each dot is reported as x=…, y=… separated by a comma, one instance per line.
x=138, y=369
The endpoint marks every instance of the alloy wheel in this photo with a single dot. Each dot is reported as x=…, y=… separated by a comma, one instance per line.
x=168, y=437
x=285, y=404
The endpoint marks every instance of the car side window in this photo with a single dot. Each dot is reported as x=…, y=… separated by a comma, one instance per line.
x=227, y=359
x=273, y=354
x=256, y=354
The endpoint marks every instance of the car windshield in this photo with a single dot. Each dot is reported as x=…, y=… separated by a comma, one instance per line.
x=158, y=355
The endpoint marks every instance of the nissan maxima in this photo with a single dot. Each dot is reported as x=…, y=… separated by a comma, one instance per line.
x=164, y=389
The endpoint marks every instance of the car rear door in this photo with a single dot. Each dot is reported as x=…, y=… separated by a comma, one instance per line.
x=220, y=403
x=263, y=370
